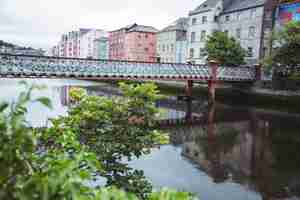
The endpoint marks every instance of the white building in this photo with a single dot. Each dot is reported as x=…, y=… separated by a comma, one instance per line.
x=172, y=42
x=87, y=43
x=78, y=44
x=241, y=19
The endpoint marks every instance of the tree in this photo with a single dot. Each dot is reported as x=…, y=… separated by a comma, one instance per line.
x=286, y=51
x=54, y=164
x=226, y=50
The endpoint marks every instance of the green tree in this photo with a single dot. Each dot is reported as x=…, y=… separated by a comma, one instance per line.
x=115, y=129
x=286, y=51
x=53, y=164
x=226, y=50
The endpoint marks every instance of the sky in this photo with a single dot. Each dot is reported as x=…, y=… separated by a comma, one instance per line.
x=40, y=23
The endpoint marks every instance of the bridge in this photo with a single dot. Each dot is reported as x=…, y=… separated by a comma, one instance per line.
x=26, y=66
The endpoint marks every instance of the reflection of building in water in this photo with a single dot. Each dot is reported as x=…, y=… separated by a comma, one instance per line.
x=64, y=95
x=246, y=152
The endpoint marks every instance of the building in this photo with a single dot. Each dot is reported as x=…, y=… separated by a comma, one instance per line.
x=202, y=22
x=267, y=26
x=101, y=50
x=172, y=42
x=78, y=44
x=241, y=19
x=54, y=51
x=87, y=42
x=133, y=42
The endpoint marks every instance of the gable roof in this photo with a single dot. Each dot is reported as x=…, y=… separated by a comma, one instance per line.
x=138, y=28
x=237, y=5
x=204, y=7
x=180, y=24
x=142, y=28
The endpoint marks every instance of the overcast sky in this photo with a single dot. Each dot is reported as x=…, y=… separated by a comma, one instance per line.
x=40, y=23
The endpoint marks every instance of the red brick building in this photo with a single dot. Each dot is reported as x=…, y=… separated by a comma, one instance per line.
x=134, y=42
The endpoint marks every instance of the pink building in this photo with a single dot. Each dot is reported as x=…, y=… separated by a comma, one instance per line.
x=134, y=42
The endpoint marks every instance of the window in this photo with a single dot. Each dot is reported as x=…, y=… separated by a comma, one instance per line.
x=250, y=52
x=193, y=36
x=238, y=16
x=146, y=49
x=216, y=18
x=146, y=35
x=251, y=33
x=204, y=19
x=252, y=13
x=201, y=52
x=227, y=18
x=203, y=35
x=194, y=21
x=191, y=53
x=172, y=47
x=163, y=48
x=238, y=33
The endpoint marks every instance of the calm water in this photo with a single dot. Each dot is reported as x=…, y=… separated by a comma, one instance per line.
x=232, y=153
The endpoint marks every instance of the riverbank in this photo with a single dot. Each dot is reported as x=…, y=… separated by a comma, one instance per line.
x=287, y=101
x=261, y=98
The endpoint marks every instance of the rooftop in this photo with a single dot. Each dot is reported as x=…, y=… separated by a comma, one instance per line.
x=236, y=5
x=138, y=28
x=180, y=24
x=204, y=7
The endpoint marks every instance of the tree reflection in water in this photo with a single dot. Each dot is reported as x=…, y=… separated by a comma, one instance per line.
x=259, y=151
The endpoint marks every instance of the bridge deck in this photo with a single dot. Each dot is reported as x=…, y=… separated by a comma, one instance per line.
x=47, y=67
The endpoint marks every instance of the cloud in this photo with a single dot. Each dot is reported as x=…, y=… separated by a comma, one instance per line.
x=40, y=23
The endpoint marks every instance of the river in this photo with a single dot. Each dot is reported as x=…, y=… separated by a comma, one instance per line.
x=234, y=153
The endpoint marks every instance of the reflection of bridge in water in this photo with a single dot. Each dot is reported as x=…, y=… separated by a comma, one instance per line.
x=234, y=144
x=244, y=149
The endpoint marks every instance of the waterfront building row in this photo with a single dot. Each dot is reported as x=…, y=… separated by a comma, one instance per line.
x=250, y=22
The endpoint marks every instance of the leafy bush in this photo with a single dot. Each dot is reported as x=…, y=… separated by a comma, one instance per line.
x=58, y=162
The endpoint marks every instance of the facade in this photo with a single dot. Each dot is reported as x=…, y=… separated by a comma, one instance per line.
x=202, y=22
x=267, y=27
x=101, y=50
x=134, y=42
x=87, y=44
x=172, y=42
x=241, y=19
x=78, y=44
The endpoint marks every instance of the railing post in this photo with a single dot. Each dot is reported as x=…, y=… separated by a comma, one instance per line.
x=258, y=73
x=188, y=91
x=213, y=81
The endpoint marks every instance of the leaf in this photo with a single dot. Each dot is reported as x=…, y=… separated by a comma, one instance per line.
x=45, y=101
x=3, y=106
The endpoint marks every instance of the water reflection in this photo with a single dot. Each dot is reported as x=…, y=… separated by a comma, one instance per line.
x=255, y=151
x=220, y=152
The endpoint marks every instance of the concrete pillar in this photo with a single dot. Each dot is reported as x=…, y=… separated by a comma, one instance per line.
x=213, y=82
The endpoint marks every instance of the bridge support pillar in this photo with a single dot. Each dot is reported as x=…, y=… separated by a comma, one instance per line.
x=213, y=82
x=258, y=73
x=188, y=91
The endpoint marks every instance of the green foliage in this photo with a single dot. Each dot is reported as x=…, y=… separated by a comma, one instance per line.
x=115, y=129
x=226, y=50
x=77, y=94
x=58, y=162
x=286, y=51
x=170, y=195
x=161, y=138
